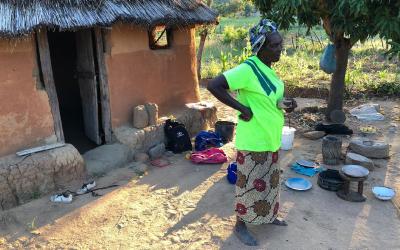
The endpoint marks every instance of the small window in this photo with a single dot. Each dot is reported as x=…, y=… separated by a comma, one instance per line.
x=160, y=38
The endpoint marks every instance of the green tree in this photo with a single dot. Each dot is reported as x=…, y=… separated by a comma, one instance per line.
x=248, y=9
x=346, y=22
x=229, y=8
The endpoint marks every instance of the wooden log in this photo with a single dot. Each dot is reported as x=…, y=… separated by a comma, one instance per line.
x=45, y=61
x=331, y=150
x=104, y=90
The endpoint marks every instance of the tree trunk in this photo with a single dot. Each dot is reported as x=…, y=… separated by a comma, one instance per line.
x=336, y=93
x=203, y=37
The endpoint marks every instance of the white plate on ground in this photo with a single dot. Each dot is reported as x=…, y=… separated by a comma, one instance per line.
x=383, y=193
x=299, y=184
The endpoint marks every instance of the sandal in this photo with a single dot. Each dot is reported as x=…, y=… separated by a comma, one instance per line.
x=61, y=198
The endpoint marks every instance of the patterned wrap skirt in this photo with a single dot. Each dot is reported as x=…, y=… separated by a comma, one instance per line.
x=257, y=187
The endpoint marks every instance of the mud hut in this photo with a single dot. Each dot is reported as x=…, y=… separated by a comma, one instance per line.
x=72, y=71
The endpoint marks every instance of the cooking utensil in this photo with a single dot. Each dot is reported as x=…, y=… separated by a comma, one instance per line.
x=299, y=184
x=383, y=193
x=355, y=171
x=306, y=164
x=330, y=180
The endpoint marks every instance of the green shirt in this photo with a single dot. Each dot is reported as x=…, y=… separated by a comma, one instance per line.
x=264, y=131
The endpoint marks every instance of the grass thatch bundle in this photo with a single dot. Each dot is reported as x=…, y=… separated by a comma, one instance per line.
x=18, y=17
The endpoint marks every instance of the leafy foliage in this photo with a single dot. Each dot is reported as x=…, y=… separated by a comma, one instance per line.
x=229, y=8
x=235, y=36
x=248, y=9
x=369, y=72
x=234, y=7
x=394, y=50
x=357, y=20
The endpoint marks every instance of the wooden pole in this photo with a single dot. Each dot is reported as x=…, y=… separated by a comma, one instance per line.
x=45, y=61
x=104, y=90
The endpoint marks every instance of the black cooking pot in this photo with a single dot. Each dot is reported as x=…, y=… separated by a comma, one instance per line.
x=330, y=180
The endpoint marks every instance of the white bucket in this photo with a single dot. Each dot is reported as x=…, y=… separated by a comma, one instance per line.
x=287, y=138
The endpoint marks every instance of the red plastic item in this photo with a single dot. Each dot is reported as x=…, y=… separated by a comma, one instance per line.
x=209, y=156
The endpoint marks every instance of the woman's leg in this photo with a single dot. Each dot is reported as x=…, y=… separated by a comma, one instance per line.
x=243, y=233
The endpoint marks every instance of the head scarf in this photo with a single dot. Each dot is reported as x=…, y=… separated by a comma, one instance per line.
x=259, y=33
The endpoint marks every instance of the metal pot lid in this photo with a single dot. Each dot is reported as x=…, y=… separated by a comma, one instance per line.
x=299, y=184
x=305, y=163
x=355, y=171
x=383, y=193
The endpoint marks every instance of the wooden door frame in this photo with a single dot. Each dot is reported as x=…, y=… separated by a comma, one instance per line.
x=48, y=79
x=104, y=87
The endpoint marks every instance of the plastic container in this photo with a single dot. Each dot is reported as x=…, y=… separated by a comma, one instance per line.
x=232, y=175
x=287, y=138
x=225, y=129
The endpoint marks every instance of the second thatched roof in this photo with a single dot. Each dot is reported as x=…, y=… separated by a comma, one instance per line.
x=19, y=17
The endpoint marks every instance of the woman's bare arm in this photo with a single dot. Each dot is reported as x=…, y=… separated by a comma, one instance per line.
x=219, y=88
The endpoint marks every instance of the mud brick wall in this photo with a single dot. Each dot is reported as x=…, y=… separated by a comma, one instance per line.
x=138, y=74
x=195, y=117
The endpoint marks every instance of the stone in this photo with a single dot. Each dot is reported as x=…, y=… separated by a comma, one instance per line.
x=141, y=157
x=152, y=112
x=175, y=239
x=356, y=159
x=199, y=116
x=157, y=151
x=139, y=167
x=140, y=117
x=132, y=137
x=370, y=148
x=107, y=157
x=314, y=135
x=393, y=128
x=153, y=135
x=195, y=118
x=142, y=167
x=23, y=179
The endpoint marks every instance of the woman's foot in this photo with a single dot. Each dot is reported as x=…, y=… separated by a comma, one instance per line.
x=244, y=235
x=279, y=222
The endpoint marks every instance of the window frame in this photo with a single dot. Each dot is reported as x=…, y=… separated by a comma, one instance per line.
x=153, y=39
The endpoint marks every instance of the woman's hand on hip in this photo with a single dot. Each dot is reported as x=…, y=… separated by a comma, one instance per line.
x=246, y=114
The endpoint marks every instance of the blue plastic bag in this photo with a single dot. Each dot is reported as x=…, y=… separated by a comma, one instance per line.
x=328, y=59
x=207, y=139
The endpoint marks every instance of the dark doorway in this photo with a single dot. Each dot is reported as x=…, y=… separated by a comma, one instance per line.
x=72, y=92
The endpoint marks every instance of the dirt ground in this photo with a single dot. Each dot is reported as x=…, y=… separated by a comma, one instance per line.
x=186, y=206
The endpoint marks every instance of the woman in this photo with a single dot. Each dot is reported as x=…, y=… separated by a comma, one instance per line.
x=259, y=130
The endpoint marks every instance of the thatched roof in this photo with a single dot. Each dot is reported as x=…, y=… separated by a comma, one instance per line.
x=18, y=17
